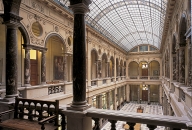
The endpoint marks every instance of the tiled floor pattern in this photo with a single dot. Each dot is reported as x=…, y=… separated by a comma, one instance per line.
x=132, y=107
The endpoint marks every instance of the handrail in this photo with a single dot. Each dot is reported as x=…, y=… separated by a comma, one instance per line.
x=150, y=119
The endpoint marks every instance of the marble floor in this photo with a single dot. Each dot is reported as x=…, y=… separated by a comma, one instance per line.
x=132, y=107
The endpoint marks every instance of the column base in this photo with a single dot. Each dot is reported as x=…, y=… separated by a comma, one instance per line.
x=27, y=85
x=77, y=120
x=9, y=98
x=79, y=106
x=43, y=82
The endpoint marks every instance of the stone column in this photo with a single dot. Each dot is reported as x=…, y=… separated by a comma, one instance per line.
x=27, y=68
x=90, y=100
x=114, y=99
x=160, y=95
x=127, y=93
x=43, y=67
x=138, y=93
x=98, y=69
x=107, y=69
x=12, y=20
x=190, y=63
x=174, y=65
x=182, y=64
x=115, y=68
x=177, y=66
x=99, y=101
x=149, y=100
x=108, y=100
x=79, y=55
x=65, y=68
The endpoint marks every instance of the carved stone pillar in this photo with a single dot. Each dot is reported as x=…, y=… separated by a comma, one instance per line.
x=98, y=69
x=177, y=65
x=79, y=54
x=107, y=69
x=12, y=20
x=27, y=68
x=108, y=100
x=43, y=67
x=99, y=98
x=149, y=100
x=65, y=68
x=138, y=93
x=182, y=64
x=189, y=63
x=174, y=66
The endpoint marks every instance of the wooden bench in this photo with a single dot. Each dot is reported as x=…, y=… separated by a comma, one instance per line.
x=30, y=114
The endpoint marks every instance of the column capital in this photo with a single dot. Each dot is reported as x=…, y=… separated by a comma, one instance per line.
x=11, y=20
x=79, y=8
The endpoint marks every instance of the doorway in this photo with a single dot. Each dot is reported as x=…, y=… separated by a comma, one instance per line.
x=34, y=68
x=144, y=95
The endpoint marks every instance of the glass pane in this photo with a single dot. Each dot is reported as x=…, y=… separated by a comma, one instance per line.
x=143, y=48
x=127, y=22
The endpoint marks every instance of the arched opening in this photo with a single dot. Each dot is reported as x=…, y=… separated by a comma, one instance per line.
x=104, y=66
x=143, y=70
x=94, y=59
x=133, y=70
x=56, y=59
x=154, y=69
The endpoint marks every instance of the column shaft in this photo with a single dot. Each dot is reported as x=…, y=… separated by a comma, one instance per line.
x=65, y=68
x=27, y=67
x=43, y=68
x=11, y=61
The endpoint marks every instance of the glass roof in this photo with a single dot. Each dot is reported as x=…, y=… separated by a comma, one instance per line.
x=128, y=22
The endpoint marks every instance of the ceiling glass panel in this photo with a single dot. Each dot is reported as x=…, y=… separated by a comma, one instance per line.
x=128, y=22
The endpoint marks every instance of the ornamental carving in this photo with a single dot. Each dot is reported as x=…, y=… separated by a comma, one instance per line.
x=56, y=29
x=37, y=7
x=36, y=41
x=182, y=66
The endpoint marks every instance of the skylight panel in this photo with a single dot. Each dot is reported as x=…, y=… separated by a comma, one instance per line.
x=126, y=21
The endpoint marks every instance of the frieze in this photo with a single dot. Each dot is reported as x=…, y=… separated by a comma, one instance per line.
x=36, y=41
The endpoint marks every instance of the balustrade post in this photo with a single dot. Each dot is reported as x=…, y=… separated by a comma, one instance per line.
x=131, y=125
x=97, y=124
x=151, y=127
x=113, y=124
x=63, y=122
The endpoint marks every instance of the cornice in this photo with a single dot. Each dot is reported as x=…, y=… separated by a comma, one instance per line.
x=168, y=17
x=58, y=8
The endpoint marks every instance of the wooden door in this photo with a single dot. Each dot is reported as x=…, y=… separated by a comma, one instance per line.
x=144, y=95
x=34, y=72
x=144, y=72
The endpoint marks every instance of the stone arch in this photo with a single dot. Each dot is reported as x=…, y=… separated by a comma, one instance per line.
x=154, y=68
x=133, y=69
x=25, y=34
x=54, y=34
